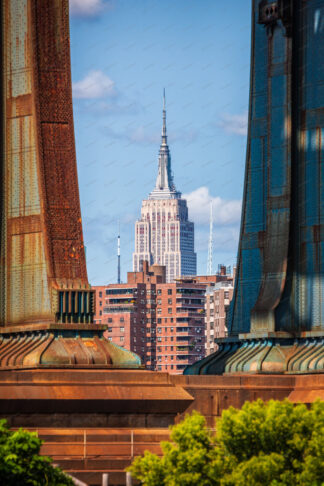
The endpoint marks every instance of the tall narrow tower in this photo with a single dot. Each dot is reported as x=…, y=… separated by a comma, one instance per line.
x=210, y=243
x=164, y=235
x=276, y=321
x=118, y=254
x=46, y=301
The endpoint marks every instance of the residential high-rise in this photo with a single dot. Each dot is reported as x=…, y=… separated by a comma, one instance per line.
x=163, y=234
x=164, y=323
x=217, y=300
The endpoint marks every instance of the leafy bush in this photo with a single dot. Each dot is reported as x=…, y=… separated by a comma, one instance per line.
x=21, y=464
x=274, y=443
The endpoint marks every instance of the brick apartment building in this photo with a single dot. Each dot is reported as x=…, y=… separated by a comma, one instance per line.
x=164, y=323
x=129, y=309
x=218, y=298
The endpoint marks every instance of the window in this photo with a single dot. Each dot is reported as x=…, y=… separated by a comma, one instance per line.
x=159, y=339
x=170, y=301
x=109, y=319
x=171, y=329
x=171, y=348
x=159, y=330
x=100, y=313
x=159, y=310
x=171, y=319
x=100, y=294
x=159, y=301
x=159, y=320
x=121, y=319
x=100, y=302
x=159, y=291
x=109, y=329
x=122, y=329
x=134, y=339
x=122, y=338
x=169, y=291
x=170, y=310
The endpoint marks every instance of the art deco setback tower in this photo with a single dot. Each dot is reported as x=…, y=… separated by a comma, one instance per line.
x=277, y=313
x=164, y=235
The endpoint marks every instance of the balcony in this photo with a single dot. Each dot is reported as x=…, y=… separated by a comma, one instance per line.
x=119, y=309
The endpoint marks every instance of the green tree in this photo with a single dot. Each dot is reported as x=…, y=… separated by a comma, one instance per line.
x=274, y=443
x=21, y=464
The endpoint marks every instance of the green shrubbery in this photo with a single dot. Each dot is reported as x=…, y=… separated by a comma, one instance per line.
x=21, y=464
x=274, y=443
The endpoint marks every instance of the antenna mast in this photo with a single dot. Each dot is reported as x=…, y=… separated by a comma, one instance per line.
x=118, y=254
x=210, y=244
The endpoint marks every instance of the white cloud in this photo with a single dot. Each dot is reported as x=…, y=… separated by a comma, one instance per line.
x=86, y=8
x=96, y=84
x=236, y=124
x=225, y=212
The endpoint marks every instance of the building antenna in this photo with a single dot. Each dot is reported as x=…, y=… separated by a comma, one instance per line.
x=118, y=253
x=210, y=244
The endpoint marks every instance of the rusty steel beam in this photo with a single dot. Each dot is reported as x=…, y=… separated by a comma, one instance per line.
x=46, y=302
x=276, y=318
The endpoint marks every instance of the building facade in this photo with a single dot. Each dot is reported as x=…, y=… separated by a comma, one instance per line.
x=217, y=302
x=129, y=310
x=161, y=322
x=163, y=234
x=180, y=326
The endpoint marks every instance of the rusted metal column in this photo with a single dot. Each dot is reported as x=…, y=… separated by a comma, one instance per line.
x=276, y=318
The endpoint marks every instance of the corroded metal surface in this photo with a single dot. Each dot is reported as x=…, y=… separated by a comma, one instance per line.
x=43, y=277
x=41, y=234
x=270, y=355
x=279, y=290
x=62, y=346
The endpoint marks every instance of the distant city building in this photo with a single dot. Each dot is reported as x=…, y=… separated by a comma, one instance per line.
x=162, y=322
x=180, y=326
x=128, y=309
x=164, y=235
x=217, y=302
x=168, y=324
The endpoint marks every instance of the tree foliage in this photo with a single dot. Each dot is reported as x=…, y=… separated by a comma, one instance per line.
x=21, y=464
x=263, y=444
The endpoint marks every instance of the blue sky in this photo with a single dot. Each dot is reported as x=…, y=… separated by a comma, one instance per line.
x=124, y=52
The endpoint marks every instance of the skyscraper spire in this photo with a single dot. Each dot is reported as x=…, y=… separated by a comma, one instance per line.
x=164, y=135
x=164, y=187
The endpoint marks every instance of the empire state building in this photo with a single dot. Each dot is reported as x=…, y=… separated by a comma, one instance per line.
x=164, y=235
